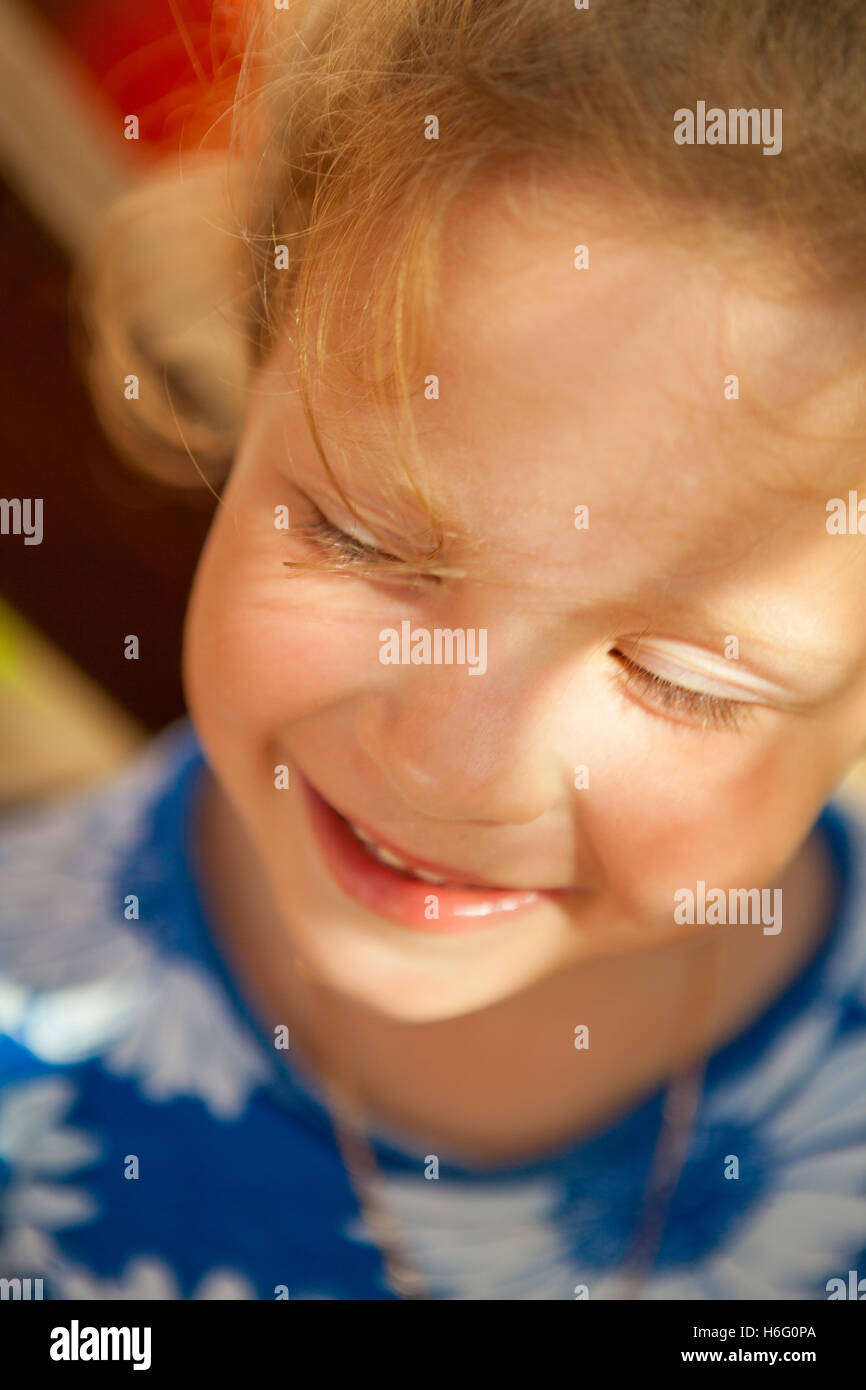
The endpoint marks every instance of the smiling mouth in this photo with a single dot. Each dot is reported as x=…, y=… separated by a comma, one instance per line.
x=387, y=856
x=399, y=887
x=413, y=868
x=421, y=869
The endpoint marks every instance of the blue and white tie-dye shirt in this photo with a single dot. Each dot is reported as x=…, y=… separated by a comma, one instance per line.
x=155, y=1144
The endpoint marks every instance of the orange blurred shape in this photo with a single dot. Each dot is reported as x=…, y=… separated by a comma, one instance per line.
x=172, y=63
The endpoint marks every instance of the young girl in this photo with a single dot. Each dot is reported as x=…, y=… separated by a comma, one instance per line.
x=493, y=929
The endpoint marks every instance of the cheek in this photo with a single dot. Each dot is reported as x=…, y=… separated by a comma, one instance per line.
x=676, y=807
x=263, y=649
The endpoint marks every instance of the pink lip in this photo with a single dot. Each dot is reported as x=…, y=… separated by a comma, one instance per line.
x=404, y=900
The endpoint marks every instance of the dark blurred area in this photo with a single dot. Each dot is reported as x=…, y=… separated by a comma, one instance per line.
x=119, y=549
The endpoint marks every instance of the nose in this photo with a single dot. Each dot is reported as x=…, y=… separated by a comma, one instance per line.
x=472, y=748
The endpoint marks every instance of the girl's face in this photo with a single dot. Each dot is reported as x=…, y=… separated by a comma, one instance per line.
x=663, y=674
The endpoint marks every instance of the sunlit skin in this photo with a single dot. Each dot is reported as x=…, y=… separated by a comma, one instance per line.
x=558, y=387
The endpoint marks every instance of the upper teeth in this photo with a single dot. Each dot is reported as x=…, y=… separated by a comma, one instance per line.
x=394, y=860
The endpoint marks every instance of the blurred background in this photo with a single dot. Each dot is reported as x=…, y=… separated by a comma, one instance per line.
x=118, y=549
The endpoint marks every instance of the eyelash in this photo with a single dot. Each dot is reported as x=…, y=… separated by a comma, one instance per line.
x=346, y=549
x=348, y=553
x=711, y=710
x=339, y=552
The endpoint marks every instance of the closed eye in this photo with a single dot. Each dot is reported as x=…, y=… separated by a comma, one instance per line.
x=695, y=705
x=342, y=548
x=336, y=551
x=333, y=550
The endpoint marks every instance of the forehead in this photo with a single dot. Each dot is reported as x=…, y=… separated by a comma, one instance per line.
x=619, y=369
x=534, y=355
x=680, y=401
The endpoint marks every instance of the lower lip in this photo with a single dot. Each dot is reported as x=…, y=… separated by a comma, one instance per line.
x=408, y=901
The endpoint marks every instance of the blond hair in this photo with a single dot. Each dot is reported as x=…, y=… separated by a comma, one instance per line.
x=329, y=158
